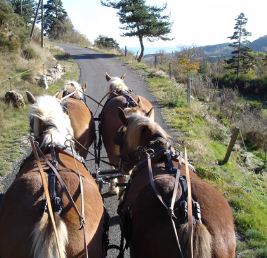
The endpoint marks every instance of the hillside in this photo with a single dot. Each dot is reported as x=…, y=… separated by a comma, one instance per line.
x=260, y=44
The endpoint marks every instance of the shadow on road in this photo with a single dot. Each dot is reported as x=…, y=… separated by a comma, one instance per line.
x=91, y=56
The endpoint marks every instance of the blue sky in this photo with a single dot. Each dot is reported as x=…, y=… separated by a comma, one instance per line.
x=195, y=22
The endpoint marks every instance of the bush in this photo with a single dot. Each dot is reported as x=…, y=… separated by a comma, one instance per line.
x=106, y=42
x=13, y=31
x=29, y=53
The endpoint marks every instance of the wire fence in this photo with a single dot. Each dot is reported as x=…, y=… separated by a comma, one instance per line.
x=7, y=84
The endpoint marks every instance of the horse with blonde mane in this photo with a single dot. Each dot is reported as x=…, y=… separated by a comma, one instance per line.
x=73, y=100
x=155, y=220
x=25, y=218
x=119, y=95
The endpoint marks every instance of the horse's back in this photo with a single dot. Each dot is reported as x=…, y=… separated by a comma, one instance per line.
x=110, y=122
x=23, y=206
x=82, y=123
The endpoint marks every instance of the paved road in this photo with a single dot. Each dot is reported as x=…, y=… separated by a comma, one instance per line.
x=92, y=67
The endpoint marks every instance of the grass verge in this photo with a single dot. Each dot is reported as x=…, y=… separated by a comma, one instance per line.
x=14, y=122
x=206, y=140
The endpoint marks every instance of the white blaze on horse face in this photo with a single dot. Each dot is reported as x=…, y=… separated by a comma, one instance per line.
x=48, y=111
x=117, y=84
x=76, y=86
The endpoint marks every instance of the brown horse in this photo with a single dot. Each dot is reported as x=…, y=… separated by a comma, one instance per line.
x=119, y=96
x=82, y=121
x=26, y=227
x=147, y=223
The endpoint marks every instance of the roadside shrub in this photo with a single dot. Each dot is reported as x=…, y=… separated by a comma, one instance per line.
x=13, y=31
x=106, y=42
x=29, y=53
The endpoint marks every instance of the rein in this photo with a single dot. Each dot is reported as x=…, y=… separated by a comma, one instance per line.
x=47, y=196
x=170, y=209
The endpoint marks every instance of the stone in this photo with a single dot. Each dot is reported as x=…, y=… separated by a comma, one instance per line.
x=15, y=99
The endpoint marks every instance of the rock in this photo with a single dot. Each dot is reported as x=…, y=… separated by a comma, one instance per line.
x=252, y=162
x=15, y=99
x=53, y=74
x=43, y=81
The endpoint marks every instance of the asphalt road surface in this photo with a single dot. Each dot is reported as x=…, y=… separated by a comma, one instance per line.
x=93, y=66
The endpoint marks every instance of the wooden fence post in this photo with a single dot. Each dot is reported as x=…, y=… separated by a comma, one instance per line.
x=170, y=70
x=231, y=145
x=10, y=83
x=189, y=90
x=156, y=61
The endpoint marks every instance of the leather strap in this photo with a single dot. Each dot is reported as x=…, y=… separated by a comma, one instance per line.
x=47, y=196
x=61, y=181
x=189, y=203
x=169, y=209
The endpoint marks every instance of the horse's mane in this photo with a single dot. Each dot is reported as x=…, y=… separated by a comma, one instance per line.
x=76, y=86
x=50, y=112
x=117, y=84
x=135, y=125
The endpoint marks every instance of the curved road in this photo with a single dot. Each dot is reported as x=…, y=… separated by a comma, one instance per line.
x=93, y=66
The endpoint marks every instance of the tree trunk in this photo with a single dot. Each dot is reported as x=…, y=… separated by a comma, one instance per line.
x=142, y=49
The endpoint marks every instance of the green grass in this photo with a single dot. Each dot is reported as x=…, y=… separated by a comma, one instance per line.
x=207, y=143
x=14, y=122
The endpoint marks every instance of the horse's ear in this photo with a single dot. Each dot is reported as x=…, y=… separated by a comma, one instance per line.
x=123, y=76
x=56, y=94
x=122, y=116
x=140, y=103
x=150, y=112
x=84, y=87
x=108, y=77
x=30, y=97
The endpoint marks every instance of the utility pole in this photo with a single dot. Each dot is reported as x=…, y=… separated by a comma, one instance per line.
x=35, y=18
x=42, y=24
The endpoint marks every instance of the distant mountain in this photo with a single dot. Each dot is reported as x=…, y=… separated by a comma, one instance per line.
x=223, y=50
x=260, y=44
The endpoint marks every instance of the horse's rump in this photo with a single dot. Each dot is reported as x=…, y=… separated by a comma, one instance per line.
x=26, y=226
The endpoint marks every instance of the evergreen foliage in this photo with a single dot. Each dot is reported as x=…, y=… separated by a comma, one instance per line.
x=141, y=20
x=106, y=42
x=54, y=18
x=242, y=59
x=24, y=8
x=13, y=31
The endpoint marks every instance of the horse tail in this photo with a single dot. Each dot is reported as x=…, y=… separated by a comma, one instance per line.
x=44, y=239
x=202, y=244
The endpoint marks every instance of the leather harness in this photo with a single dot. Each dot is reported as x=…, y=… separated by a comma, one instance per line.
x=158, y=152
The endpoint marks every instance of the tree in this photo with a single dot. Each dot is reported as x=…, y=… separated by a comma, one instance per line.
x=106, y=42
x=141, y=20
x=13, y=31
x=242, y=59
x=24, y=8
x=54, y=18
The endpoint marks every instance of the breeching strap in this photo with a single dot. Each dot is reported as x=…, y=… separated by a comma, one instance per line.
x=169, y=209
x=47, y=196
x=189, y=203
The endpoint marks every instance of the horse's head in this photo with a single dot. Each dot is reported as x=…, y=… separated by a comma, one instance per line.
x=116, y=83
x=136, y=133
x=48, y=122
x=72, y=89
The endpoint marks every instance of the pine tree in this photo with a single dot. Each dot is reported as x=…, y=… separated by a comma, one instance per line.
x=242, y=59
x=24, y=8
x=141, y=20
x=54, y=18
